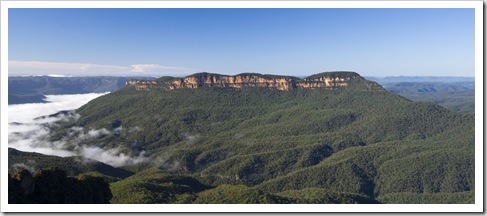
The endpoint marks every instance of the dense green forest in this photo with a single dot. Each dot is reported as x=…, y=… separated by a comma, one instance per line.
x=255, y=145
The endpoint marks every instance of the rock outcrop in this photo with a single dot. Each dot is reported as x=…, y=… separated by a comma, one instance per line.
x=53, y=186
x=327, y=80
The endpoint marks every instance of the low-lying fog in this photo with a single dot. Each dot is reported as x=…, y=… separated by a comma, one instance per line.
x=26, y=133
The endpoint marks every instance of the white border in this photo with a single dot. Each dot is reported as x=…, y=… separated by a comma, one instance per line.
x=242, y=4
x=479, y=107
x=477, y=207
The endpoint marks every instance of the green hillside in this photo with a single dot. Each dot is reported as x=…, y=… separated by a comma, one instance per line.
x=260, y=145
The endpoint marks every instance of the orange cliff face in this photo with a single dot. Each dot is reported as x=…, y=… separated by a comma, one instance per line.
x=331, y=80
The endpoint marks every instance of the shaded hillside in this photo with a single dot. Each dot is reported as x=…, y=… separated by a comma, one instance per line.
x=53, y=186
x=374, y=144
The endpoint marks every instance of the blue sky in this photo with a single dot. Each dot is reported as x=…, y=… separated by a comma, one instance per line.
x=299, y=42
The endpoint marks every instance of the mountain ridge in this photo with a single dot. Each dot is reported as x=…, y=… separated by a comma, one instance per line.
x=325, y=80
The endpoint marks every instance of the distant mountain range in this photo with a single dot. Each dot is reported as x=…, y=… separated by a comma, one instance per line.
x=456, y=96
x=31, y=89
x=416, y=79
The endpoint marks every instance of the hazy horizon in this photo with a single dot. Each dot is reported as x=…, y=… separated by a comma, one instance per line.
x=72, y=76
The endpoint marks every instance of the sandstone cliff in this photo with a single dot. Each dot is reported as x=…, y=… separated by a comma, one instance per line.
x=326, y=80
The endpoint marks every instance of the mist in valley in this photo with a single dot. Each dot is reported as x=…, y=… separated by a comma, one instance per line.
x=29, y=128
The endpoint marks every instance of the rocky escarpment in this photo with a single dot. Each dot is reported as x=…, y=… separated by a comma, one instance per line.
x=326, y=80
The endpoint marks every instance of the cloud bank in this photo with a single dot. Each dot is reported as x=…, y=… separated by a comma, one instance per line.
x=27, y=132
x=35, y=68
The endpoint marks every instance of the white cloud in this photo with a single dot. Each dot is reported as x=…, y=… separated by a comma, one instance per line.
x=93, y=134
x=155, y=68
x=57, y=75
x=111, y=156
x=35, y=68
x=59, y=68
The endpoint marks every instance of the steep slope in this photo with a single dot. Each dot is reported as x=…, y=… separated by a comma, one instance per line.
x=352, y=138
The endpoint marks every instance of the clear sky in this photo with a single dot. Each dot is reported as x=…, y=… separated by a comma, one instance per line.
x=298, y=42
